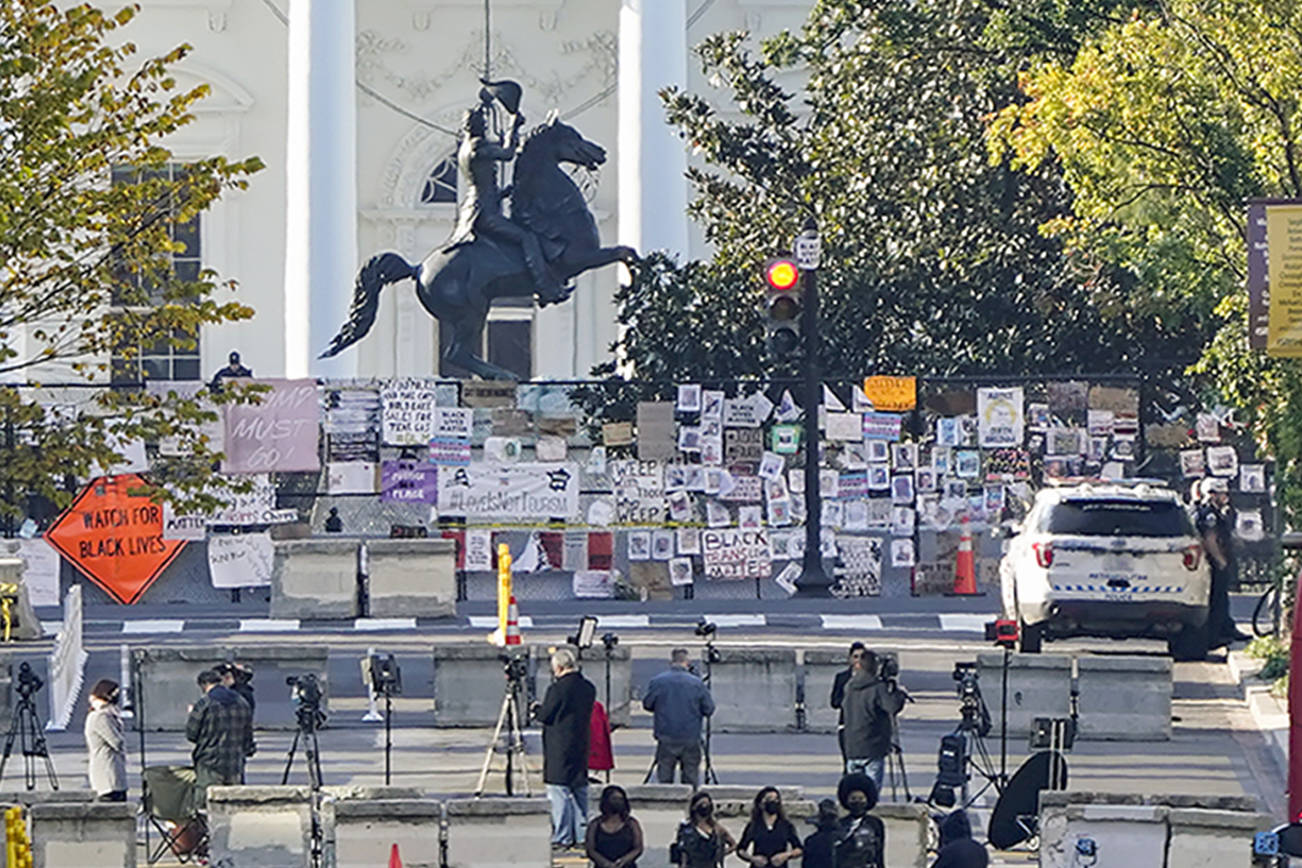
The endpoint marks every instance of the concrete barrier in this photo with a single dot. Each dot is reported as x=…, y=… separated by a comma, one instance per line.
x=365, y=831
x=411, y=578
x=314, y=578
x=908, y=828
x=27, y=798
x=1039, y=685
x=469, y=683
x=1125, y=698
x=499, y=833
x=260, y=827
x=593, y=666
x=102, y=834
x=754, y=689
x=819, y=669
x=1172, y=831
x=168, y=688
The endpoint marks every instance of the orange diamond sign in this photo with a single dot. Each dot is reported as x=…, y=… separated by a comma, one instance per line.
x=114, y=537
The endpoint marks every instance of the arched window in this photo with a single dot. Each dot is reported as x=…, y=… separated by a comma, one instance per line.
x=441, y=185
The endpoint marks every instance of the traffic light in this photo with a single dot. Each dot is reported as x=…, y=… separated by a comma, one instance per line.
x=782, y=307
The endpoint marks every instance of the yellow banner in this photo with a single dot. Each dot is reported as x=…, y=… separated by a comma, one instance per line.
x=891, y=393
x=1284, y=270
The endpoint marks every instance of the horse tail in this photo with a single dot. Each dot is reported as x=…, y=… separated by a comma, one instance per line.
x=377, y=273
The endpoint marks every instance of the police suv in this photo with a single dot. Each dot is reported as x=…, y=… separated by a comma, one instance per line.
x=1117, y=559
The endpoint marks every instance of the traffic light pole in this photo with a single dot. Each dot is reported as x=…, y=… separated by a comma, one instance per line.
x=813, y=581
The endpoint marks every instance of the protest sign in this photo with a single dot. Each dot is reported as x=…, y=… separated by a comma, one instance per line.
x=408, y=482
x=1000, y=417
x=523, y=491
x=736, y=553
x=406, y=412
x=240, y=560
x=279, y=434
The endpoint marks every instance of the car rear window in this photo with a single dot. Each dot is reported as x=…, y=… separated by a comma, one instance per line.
x=1117, y=518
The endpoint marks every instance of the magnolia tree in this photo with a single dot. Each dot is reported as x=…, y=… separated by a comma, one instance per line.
x=92, y=210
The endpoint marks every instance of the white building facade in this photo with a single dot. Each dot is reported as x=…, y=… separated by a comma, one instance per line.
x=359, y=157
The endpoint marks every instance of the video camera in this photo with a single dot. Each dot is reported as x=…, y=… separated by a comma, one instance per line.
x=888, y=668
x=28, y=681
x=516, y=668
x=242, y=673
x=306, y=694
x=706, y=629
x=385, y=675
x=967, y=679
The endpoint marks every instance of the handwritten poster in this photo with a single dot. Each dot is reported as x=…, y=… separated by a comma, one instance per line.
x=1001, y=418
x=736, y=553
x=240, y=560
x=278, y=435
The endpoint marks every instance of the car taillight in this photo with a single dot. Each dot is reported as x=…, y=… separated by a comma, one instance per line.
x=1193, y=556
x=1043, y=554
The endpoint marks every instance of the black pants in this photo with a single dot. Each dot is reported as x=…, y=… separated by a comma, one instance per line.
x=115, y=796
x=1219, y=623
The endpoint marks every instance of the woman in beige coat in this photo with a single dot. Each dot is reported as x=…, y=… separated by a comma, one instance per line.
x=105, y=743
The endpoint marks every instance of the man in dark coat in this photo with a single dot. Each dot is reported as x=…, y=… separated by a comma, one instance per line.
x=566, y=718
x=221, y=727
x=870, y=704
x=957, y=849
x=837, y=700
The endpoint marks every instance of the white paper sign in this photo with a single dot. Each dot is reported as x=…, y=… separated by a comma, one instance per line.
x=734, y=553
x=479, y=551
x=350, y=477
x=453, y=422
x=187, y=527
x=845, y=427
x=748, y=412
x=407, y=412
x=240, y=560
x=1000, y=417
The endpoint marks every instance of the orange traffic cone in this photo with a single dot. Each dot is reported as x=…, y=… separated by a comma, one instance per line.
x=965, y=563
x=395, y=861
x=513, y=623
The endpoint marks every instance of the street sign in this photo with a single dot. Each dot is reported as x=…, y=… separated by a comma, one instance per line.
x=808, y=248
x=114, y=537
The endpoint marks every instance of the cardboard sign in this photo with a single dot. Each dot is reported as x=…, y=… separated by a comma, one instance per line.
x=657, y=438
x=736, y=553
x=617, y=433
x=639, y=488
x=406, y=412
x=240, y=560
x=279, y=435
x=408, y=482
x=115, y=538
x=891, y=393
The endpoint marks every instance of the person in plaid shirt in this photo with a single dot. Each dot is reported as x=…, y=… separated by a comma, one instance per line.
x=221, y=727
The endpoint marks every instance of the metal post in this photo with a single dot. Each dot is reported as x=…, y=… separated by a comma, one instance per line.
x=813, y=581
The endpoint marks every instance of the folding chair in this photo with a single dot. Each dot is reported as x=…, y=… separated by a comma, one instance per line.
x=170, y=803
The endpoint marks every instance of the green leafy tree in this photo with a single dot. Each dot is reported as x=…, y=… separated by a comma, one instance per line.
x=934, y=258
x=1162, y=126
x=88, y=261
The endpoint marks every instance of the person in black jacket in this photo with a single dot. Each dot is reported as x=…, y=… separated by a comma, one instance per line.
x=819, y=848
x=838, y=693
x=870, y=704
x=957, y=849
x=566, y=717
x=860, y=837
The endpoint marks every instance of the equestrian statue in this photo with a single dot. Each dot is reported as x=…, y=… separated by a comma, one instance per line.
x=549, y=238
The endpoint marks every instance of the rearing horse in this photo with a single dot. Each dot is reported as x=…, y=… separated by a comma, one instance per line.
x=458, y=282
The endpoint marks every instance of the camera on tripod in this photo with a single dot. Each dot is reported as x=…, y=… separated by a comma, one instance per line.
x=28, y=681
x=706, y=629
x=305, y=692
x=515, y=668
x=610, y=640
x=243, y=674
x=385, y=675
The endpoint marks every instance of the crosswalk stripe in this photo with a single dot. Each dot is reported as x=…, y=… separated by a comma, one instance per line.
x=158, y=625
x=963, y=623
x=363, y=624
x=489, y=622
x=268, y=625
x=737, y=620
x=851, y=622
x=624, y=622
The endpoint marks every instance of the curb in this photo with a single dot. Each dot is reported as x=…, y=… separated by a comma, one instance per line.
x=1269, y=714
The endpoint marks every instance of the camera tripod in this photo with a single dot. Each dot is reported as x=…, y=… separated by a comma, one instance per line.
x=895, y=760
x=309, y=720
x=25, y=727
x=508, y=717
x=973, y=726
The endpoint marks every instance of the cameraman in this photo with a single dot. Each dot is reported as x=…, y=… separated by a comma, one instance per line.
x=870, y=704
x=680, y=702
x=837, y=700
x=566, y=718
x=221, y=727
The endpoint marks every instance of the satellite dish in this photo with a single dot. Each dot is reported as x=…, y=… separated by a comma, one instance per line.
x=1015, y=816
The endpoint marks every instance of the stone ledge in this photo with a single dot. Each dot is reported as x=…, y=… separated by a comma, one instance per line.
x=1232, y=822
x=37, y=797
x=355, y=793
x=103, y=811
x=397, y=810
x=245, y=795
x=757, y=655
x=428, y=546
x=317, y=546
x=1057, y=799
x=1025, y=661
x=496, y=807
x=1124, y=664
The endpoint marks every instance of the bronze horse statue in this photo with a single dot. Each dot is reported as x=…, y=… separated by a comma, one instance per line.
x=458, y=281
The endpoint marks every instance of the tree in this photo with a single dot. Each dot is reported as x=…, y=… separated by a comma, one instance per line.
x=1162, y=126
x=934, y=259
x=90, y=201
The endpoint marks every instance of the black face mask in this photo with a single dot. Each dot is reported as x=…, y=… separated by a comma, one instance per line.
x=617, y=807
x=857, y=809
x=771, y=808
x=701, y=811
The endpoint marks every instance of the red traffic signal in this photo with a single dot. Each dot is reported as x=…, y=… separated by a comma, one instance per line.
x=782, y=274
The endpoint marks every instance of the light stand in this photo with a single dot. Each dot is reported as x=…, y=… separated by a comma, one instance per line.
x=610, y=640
x=385, y=678
x=709, y=776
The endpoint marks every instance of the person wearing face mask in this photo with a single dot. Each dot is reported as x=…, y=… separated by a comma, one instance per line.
x=615, y=839
x=769, y=839
x=860, y=837
x=105, y=743
x=820, y=847
x=702, y=842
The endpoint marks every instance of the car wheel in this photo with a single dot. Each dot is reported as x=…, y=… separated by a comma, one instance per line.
x=1190, y=644
x=1032, y=637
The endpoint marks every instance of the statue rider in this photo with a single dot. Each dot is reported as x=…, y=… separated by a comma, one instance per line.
x=481, y=212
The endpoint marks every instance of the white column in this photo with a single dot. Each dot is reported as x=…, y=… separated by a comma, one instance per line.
x=652, y=158
x=321, y=164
